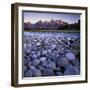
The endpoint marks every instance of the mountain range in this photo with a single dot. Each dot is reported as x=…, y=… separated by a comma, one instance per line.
x=43, y=25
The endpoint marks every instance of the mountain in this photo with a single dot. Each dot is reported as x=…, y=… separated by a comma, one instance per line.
x=51, y=25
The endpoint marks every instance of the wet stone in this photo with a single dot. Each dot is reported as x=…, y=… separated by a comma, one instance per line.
x=41, y=68
x=38, y=54
x=51, y=65
x=58, y=69
x=59, y=73
x=71, y=71
x=36, y=72
x=70, y=56
x=49, y=51
x=34, y=56
x=38, y=44
x=35, y=62
x=44, y=63
x=53, y=46
x=62, y=62
x=43, y=59
x=44, y=52
x=67, y=66
x=47, y=72
x=26, y=62
x=29, y=73
x=32, y=67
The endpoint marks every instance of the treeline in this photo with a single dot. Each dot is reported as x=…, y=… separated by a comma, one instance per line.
x=75, y=26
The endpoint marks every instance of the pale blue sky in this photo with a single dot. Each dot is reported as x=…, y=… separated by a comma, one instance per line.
x=33, y=17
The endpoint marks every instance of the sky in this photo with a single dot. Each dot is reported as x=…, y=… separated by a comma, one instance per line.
x=33, y=17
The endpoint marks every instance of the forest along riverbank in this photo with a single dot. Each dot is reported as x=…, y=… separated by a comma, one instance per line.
x=62, y=31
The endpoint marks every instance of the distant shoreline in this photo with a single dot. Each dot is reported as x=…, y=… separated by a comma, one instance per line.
x=63, y=31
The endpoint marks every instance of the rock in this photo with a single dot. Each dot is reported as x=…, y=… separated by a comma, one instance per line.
x=38, y=54
x=49, y=51
x=32, y=67
x=58, y=69
x=51, y=65
x=76, y=44
x=29, y=73
x=76, y=64
x=59, y=73
x=53, y=46
x=36, y=73
x=38, y=43
x=47, y=72
x=71, y=71
x=49, y=56
x=33, y=52
x=26, y=62
x=49, y=60
x=67, y=66
x=41, y=68
x=44, y=52
x=44, y=63
x=25, y=45
x=43, y=59
x=35, y=62
x=28, y=51
x=34, y=56
x=61, y=52
x=62, y=62
x=70, y=56
x=26, y=56
x=52, y=56
x=68, y=38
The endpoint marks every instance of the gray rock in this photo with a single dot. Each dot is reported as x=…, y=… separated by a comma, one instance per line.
x=44, y=63
x=27, y=51
x=76, y=64
x=62, y=62
x=70, y=56
x=32, y=67
x=49, y=51
x=36, y=73
x=53, y=46
x=29, y=73
x=34, y=56
x=26, y=62
x=43, y=59
x=58, y=69
x=71, y=71
x=52, y=56
x=38, y=43
x=44, y=52
x=51, y=65
x=47, y=72
x=38, y=54
x=41, y=68
x=68, y=66
x=35, y=62
x=59, y=73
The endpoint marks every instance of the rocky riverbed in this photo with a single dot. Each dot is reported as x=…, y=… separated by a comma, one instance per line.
x=51, y=54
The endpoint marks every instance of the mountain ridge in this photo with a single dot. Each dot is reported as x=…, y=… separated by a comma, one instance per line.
x=50, y=25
